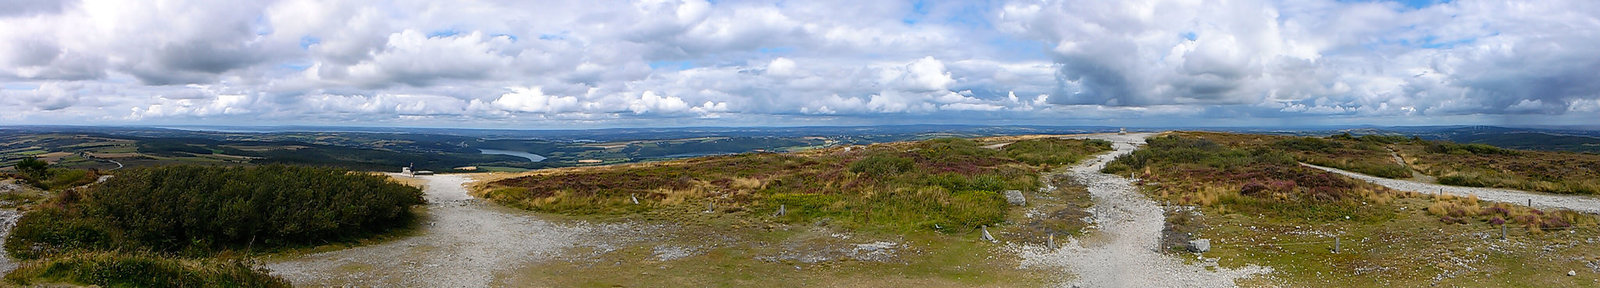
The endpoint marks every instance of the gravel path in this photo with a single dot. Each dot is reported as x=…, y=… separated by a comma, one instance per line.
x=8, y=220
x=1124, y=251
x=1542, y=200
x=463, y=242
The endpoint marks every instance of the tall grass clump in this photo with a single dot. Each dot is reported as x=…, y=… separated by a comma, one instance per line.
x=115, y=269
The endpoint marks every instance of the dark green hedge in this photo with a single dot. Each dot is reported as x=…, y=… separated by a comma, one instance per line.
x=200, y=210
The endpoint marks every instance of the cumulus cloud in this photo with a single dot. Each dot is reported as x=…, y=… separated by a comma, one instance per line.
x=502, y=63
x=534, y=100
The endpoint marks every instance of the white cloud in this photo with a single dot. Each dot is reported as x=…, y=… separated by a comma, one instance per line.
x=649, y=102
x=534, y=100
x=1018, y=61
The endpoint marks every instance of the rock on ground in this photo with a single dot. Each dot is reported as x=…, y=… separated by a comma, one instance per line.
x=1015, y=198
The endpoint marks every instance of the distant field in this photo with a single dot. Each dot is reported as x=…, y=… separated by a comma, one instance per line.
x=365, y=151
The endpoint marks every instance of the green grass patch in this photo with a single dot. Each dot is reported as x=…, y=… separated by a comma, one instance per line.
x=1414, y=249
x=756, y=260
x=112, y=269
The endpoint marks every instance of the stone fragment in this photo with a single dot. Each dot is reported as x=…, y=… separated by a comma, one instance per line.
x=1015, y=198
x=1200, y=245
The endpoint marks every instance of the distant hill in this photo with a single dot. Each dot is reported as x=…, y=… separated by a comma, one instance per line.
x=1545, y=139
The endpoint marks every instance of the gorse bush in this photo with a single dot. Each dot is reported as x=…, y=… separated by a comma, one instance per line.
x=199, y=210
x=41, y=175
x=112, y=269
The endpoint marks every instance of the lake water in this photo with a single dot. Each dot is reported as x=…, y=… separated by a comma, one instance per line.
x=530, y=156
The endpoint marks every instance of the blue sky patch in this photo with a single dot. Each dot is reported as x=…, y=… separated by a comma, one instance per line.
x=307, y=41
x=672, y=65
x=443, y=33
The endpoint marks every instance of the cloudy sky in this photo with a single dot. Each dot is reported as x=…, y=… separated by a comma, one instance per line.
x=574, y=64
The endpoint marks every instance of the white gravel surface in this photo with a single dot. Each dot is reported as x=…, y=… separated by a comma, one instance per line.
x=8, y=220
x=1542, y=200
x=464, y=242
x=1124, y=251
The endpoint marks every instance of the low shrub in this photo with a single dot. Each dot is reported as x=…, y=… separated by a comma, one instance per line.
x=1054, y=151
x=882, y=164
x=201, y=210
x=1473, y=149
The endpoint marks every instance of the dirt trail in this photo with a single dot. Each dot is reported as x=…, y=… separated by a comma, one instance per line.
x=1124, y=251
x=463, y=242
x=1570, y=202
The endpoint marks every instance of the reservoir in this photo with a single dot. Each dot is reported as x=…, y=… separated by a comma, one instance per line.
x=530, y=156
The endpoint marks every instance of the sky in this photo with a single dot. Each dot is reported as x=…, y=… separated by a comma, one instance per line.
x=653, y=63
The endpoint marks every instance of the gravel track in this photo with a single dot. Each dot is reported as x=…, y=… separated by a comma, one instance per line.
x=8, y=220
x=1124, y=251
x=463, y=242
x=1541, y=200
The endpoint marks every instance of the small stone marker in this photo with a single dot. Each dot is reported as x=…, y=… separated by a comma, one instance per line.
x=1572, y=273
x=635, y=199
x=1015, y=198
x=986, y=236
x=1199, y=245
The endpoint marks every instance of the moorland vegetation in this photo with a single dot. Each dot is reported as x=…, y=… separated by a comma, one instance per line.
x=946, y=184
x=186, y=226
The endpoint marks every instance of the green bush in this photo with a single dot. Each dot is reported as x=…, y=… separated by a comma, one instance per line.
x=1054, y=151
x=61, y=178
x=201, y=210
x=33, y=167
x=1465, y=149
x=111, y=269
x=882, y=164
x=1309, y=144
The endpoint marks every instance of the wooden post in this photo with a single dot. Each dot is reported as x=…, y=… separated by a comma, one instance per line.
x=1502, y=231
x=1336, y=245
x=1052, y=243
